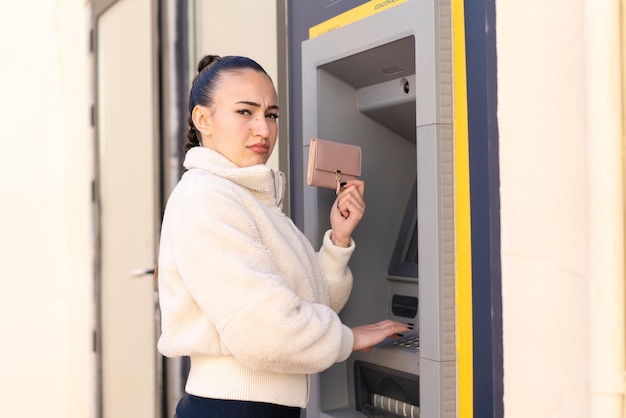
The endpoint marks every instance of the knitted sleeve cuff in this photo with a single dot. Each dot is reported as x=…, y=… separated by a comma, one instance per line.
x=347, y=345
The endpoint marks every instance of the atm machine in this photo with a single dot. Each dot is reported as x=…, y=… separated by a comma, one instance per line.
x=384, y=82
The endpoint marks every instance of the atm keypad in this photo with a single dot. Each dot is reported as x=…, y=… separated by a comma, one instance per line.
x=409, y=342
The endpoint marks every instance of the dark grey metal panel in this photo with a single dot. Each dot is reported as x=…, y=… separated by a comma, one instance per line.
x=482, y=94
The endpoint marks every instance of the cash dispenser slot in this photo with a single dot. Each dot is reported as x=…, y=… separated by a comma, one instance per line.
x=386, y=393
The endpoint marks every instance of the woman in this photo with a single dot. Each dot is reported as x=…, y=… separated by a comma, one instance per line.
x=241, y=290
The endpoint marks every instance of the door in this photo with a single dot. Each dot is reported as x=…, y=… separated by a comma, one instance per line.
x=127, y=207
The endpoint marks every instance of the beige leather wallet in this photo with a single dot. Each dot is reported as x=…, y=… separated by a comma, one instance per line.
x=332, y=163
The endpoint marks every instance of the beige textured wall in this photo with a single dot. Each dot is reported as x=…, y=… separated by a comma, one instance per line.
x=239, y=27
x=541, y=118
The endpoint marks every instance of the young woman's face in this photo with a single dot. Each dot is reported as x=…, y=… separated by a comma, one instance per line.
x=241, y=124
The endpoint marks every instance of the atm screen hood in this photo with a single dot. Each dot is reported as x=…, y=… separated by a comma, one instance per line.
x=384, y=79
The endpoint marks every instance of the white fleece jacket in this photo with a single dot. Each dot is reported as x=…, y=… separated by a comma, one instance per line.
x=242, y=291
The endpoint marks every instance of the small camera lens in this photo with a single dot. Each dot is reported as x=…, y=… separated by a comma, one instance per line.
x=405, y=86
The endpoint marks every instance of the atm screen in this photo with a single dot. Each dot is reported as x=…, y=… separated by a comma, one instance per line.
x=410, y=255
x=404, y=260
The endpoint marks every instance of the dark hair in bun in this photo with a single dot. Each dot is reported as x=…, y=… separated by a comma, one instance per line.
x=204, y=84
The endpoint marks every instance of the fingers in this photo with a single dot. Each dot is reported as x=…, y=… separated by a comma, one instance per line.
x=347, y=211
x=367, y=336
x=348, y=206
x=359, y=185
x=391, y=328
x=350, y=201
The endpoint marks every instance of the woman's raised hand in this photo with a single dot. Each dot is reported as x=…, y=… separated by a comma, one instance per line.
x=347, y=211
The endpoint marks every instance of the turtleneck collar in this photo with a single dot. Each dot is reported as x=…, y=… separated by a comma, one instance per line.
x=268, y=185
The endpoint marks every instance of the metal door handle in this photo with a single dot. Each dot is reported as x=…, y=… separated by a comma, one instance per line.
x=141, y=272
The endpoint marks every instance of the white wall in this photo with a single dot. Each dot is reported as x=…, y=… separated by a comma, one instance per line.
x=541, y=117
x=46, y=165
x=239, y=27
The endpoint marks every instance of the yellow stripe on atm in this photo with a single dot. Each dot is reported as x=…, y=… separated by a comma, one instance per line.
x=465, y=350
x=360, y=12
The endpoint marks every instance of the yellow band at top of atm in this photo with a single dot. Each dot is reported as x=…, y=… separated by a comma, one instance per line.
x=353, y=15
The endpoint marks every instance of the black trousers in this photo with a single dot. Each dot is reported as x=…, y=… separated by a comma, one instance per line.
x=191, y=406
